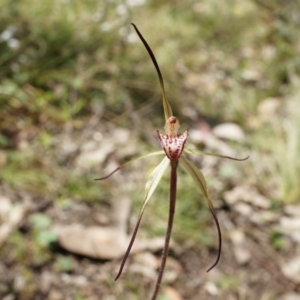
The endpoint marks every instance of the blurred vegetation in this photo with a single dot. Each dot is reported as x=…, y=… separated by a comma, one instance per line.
x=65, y=63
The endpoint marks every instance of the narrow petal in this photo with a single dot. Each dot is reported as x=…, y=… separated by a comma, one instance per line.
x=130, y=162
x=166, y=105
x=200, y=181
x=195, y=151
x=154, y=179
x=151, y=185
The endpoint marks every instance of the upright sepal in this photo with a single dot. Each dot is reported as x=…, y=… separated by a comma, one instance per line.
x=167, y=108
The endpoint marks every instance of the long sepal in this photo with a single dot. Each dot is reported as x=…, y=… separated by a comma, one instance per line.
x=151, y=185
x=195, y=151
x=200, y=181
x=130, y=162
x=167, y=108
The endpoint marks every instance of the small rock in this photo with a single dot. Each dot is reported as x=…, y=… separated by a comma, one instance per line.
x=5, y=206
x=251, y=75
x=290, y=226
x=102, y=242
x=146, y=258
x=145, y=264
x=9, y=297
x=247, y=194
x=229, y=131
x=172, y=294
x=94, y=156
x=241, y=252
x=3, y=158
x=12, y=219
x=211, y=288
x=291, y=269
x=55, y=295
x=211, y=141
x=268, y=107
x=96, y=242
x=19, y=282
x=244, y=209
x=290, y=296
x=46, y=280
x=293, y=210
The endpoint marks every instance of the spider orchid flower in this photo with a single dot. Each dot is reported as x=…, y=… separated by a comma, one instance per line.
x=173, y=145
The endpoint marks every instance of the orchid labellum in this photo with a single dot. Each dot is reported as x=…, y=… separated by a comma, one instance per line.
x=173, y=144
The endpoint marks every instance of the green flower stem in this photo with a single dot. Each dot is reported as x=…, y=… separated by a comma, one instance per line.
x=173, y=191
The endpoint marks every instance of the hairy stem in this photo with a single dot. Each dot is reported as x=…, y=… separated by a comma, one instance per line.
x=173, y=190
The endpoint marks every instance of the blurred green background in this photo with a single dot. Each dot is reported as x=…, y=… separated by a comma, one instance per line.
x=79, y=96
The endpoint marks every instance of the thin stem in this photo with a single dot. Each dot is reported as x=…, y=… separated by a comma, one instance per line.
x=173, y=190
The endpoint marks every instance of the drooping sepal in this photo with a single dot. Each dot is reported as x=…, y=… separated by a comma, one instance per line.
x=201, y=183
x=151, y=185
x=130, y=162
x=196, y=151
